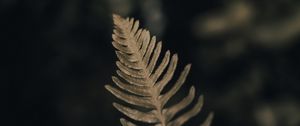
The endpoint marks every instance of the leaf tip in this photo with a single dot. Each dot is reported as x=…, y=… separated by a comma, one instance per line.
x=175, y=56
x=192, y=89
x=188, y=66
x=115, y=16
x=201, y=98
x=107, y=87
x=117, y=19
x=208, y=119
x=115, y=104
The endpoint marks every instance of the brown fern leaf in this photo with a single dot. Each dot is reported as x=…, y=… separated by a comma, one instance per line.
x=141, y=79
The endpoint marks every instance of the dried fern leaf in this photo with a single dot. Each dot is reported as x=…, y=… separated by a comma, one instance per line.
x=141, y=79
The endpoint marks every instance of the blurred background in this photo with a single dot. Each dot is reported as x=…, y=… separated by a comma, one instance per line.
x=245, y=56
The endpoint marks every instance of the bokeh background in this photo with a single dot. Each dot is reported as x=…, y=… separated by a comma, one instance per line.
x=245, y=56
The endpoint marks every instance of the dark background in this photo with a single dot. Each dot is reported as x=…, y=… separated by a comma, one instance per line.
x=245, y=58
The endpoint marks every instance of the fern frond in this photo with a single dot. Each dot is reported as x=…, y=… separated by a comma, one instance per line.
x=141, y=79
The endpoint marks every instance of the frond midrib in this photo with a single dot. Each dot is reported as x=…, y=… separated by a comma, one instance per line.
x=132, y=45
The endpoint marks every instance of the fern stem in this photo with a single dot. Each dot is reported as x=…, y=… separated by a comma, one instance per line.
x=155, y=96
